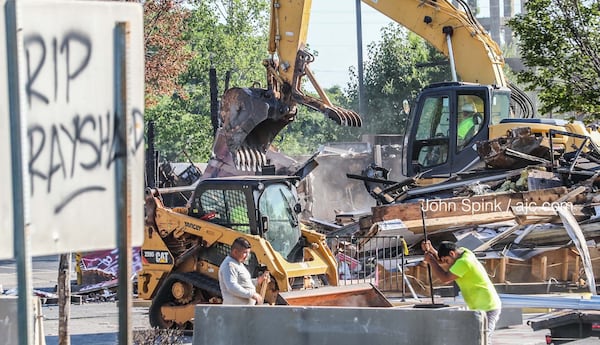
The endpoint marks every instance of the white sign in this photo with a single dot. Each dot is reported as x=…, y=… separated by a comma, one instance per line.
x=69, y=101
x=6, y=197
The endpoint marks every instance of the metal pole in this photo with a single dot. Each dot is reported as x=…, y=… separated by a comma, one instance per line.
x=122, y=195
x=20, y=189
x=359, y=49
x=448, y=30
x=402, y=265
x=428, y=265
x=151, y=170
x=64, y=299
x=214, y=98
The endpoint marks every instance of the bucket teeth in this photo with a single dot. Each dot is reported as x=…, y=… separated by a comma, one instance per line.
x=248, y=159
x=238, y=160
x=344, y=117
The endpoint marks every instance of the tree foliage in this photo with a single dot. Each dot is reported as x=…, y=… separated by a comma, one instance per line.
x=559, y=42
x=231, y=36
x=227, y=35
x=393, y=74
x=166, y=52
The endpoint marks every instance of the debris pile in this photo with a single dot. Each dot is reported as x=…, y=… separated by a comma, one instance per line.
x=531, y=215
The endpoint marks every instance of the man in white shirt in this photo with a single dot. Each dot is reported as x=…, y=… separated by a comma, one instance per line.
x=235, y=280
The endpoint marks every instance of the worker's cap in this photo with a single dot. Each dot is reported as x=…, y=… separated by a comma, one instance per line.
x=469, y=107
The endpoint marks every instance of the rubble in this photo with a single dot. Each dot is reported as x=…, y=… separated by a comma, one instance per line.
x=534, y=223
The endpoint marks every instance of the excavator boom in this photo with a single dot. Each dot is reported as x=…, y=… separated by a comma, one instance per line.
x=477, y=57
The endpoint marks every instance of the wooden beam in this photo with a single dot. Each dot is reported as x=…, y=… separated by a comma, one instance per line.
x=575, y=275
x=565, y=262
x=470, y=211
x=502, y=270
x=544, y=267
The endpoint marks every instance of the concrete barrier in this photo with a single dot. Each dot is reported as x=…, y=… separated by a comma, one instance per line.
x=276, y=325
x=9, y=323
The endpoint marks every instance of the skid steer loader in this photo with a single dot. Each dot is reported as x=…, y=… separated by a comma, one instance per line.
x=184, y=246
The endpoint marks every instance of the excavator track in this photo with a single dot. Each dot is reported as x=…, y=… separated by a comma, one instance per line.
x=206, y=288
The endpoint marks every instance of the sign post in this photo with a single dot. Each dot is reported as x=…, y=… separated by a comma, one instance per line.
x=22, y=242
x=76, y=134
x=123, y=225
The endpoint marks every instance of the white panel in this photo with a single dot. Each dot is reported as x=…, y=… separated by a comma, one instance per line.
x=69, y=102
x=6, y=210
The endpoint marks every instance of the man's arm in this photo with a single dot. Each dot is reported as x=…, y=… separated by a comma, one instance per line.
x=443, y=275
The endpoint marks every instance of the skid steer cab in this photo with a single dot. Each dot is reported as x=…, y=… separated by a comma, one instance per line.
x=183, y=248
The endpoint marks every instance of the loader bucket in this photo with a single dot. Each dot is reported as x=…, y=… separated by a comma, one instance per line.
x=359, y=295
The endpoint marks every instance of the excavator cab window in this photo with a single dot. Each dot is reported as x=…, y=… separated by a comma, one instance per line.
x=432, y=133
x=469, y=119
x=500, y=107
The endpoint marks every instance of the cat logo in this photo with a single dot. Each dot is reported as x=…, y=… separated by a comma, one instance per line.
x=157, y=257
x=161, y=257
x=192, y=225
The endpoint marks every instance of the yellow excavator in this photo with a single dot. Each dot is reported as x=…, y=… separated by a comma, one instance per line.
x=434, y=145
x=252, y=117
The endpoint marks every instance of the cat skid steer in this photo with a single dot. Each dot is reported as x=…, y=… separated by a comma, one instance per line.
x=183, y=248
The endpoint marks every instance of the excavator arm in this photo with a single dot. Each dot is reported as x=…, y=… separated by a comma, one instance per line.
x=289, y=60
x=477, y=57
x=473, y=54
x=250, y=118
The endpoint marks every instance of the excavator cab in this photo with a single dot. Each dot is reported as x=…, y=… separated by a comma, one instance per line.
x=446, y=123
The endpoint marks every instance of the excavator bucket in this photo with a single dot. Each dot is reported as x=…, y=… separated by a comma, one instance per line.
x=358, y=295
x=250, y=120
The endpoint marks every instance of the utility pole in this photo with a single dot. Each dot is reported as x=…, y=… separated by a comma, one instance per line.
x=361, y=88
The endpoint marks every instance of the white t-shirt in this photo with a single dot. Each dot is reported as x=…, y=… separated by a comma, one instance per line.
x=236, y=283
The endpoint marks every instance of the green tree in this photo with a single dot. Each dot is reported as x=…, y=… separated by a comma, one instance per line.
x=178, y=130
x=231, y=36
x=559, y=42
x=393, y=73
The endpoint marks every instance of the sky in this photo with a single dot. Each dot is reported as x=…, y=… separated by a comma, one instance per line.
x=332, y=33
